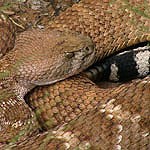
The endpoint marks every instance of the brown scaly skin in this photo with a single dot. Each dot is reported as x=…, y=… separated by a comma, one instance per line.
x=7, y=37
x=18, y=74
x=100, y=118
x=112, y=25
x=111, y=28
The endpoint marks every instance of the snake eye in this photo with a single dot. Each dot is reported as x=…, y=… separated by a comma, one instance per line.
x=69, y=55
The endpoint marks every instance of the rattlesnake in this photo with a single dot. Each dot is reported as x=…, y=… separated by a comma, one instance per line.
x=95, y=118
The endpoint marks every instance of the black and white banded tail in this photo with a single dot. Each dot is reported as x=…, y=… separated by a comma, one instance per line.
x=123, y=66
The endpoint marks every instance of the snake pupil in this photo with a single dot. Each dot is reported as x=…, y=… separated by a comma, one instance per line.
x=69, y=55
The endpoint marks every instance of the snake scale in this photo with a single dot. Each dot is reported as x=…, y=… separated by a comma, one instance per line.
x=76, y=113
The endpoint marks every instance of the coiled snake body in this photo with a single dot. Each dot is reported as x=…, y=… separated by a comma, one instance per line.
x=77, y=113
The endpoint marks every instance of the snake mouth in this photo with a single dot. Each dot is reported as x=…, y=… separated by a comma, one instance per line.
x=81, y=61
x=68, y=65
x=73, y=63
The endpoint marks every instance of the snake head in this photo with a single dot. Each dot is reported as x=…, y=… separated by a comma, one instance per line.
x=46, y=57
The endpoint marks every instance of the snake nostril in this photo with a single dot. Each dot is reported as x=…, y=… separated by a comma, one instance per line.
x=88, y=50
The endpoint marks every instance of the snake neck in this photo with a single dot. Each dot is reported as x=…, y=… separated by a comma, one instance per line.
x=12, y=87
x=10, y=84
x=15, y=115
